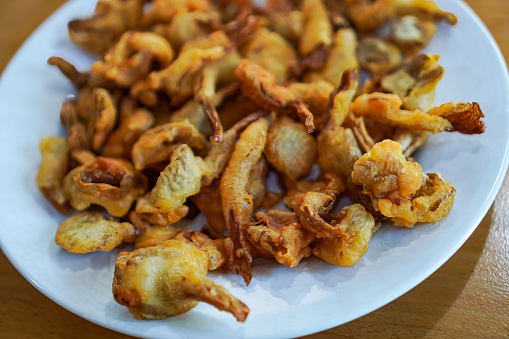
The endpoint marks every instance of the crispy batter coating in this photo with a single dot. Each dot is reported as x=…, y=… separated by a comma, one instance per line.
x=384, y=173
x=386, y=109
x=431, y=203
x=317, y=29
x=279, y=234
x=178, y=79
x=168, y=280
x=186, y=26
x=157, y=144
x=237, y=202
x=330, y=184
x=290, y=149
x=398, y=189
x=111, y=18
x=52, y=170
x=316, y=97
x=412, y=34
x=424, y=9
x=162, y=11
x=342, y=57
x=465, y=117
x=378, y=56
x=337, y=148
x=260, y=86
x=415, y=81
x=178, y=181
x=132, y=58
x=89, y=231
x=370, y=15
x=111, y=183
x=103, y=119
x=346, y=250
x=155, y=235
x=214, y=248
x=272, y=52
x=78, y=79
x=120, y=142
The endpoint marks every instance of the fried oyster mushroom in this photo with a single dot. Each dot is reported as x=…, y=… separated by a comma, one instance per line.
x=397, y=188
x=178, y=181
x=89, y=231
x=386, y=108
x=237, y=202
x=111, y=18
x=111, y=183
x=157, y=144
x=52, y=170
x=358, y=227
x=132, y=59
x=290, y=149
x=168, y=280
x=279, y=234
x=260, y=87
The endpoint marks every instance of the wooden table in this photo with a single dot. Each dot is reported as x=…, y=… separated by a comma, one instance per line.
x=466, y=297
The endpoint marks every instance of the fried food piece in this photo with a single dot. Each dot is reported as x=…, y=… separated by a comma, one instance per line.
x=378, y=56
x=156, y=235
x=110, y=20
x=100, y=112
x=75, y=77
x=168, y=280
x=317, y=29
x=290, y=149
x=157, y=144
x=237, y=202
x=330, y=184
x=272, y=52
x=89, y=231
x=313, y=206
x=111, y=183
x=178, y=181
x=315, y=96
x=178, y=79
x=219, y=153
x=214, y=248
x=412, y=34
x=415, y=81
x=288, y=24
x=132, y=58
x=385, y=174
x=217, y=73
x=342, y=57
x=425, y=10
x=186, y=26
x=463, y=116
x=432, y=202
x=121, y=140
x=162, y=11
x=279, y=234
x=52, y=170
x=370, y=15
x=398, y=189
x=337, y=148
x=386, y=109
x=260, y=86
x=346, y=250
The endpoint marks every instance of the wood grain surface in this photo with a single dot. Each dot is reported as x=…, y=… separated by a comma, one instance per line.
x=468, y=297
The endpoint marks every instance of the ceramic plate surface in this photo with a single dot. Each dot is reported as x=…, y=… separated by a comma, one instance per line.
x=284, y=302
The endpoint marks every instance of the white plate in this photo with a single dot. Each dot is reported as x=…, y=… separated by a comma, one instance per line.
x=284, y=302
